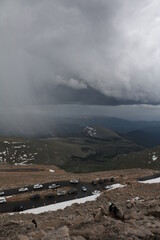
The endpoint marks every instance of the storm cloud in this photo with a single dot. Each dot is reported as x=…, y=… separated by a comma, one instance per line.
x=76, y=51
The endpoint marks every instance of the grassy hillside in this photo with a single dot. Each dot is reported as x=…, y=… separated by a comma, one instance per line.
x=149, y=158
x=84, y=154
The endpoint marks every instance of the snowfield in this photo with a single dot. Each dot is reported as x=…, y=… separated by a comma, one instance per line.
x=150, y=181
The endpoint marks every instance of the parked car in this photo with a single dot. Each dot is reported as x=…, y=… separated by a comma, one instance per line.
x=111, y=179
x=1, y=193
x=73, y=191
x=105, y=180
x=100, y=181
x=2, y=200
x=74, y=181
x=53, y=186
x=84, y=189
x=37, y=186
x=61, y=193
x=23, y=189
x=35, y=197
x=94, y=182
x=96, y=192
x=107, y=187
x=18, y=208
x=49, y=195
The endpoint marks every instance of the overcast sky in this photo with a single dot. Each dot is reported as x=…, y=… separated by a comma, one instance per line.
x=103, y=52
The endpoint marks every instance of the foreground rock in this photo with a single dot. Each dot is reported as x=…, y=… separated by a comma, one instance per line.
x=129, y=213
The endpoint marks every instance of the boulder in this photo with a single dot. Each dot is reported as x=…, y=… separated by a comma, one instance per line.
x=59, y=234
x=78, y=238
x=130, y=214
x=22, y=237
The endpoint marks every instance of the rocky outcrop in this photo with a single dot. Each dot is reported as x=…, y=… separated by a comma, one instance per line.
x=59, y=234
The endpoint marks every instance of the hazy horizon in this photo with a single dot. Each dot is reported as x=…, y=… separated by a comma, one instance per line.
x=75, y=57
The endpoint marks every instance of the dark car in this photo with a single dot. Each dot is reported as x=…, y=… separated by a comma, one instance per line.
x=94, y=182
x=111, y=179
x=105, y=180
x=73, y=191
x=35, y=197
x=100, y=181
x=49, y=196
x=18, y=208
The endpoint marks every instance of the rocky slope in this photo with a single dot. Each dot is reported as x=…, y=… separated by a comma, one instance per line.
x=135, y=214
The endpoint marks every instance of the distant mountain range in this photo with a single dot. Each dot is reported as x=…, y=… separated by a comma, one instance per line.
x=93, y=150
x=85, y=149
x=83, y=144
x=145, y=133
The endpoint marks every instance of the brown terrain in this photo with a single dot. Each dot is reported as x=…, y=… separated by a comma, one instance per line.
x=135, y=213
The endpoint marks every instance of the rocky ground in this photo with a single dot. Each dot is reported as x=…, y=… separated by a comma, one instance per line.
x=135, y=213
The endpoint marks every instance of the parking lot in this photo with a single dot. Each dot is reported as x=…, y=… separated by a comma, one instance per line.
x=37, y=198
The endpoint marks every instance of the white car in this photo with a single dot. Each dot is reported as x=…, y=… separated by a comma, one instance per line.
x=96, y=192
x=37, y=186
x=2, y=200
x=53, y=186
x=75, y=181
x=1, y=193
x=108, y=187
x=62, y=193
x=84, y=189
x=23, y=189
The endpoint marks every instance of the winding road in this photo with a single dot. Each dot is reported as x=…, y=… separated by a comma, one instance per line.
x=10, y=206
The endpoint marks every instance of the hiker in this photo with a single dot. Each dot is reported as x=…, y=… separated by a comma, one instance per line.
x=35, y=223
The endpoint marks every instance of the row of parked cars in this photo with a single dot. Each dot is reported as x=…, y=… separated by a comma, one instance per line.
x=60, y=193
x=55, y=186
x=50, y=195
x=39, y=186
x=102, y=181
x=25, y=189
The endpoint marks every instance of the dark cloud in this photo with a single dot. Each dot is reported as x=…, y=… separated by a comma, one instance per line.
x=68, y=95
x=93, y=52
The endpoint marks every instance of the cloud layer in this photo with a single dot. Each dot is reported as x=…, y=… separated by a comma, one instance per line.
x=106, y=47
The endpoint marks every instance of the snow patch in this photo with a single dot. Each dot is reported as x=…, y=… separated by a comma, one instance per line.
x=115, y=186
x=154, y=157
x=90, y=131
x=150, y=181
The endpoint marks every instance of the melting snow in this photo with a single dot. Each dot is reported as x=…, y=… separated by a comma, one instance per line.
x=150, y=181
x=91, y=131
x=115, y=186
x=154, y=157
